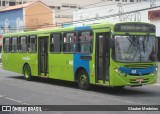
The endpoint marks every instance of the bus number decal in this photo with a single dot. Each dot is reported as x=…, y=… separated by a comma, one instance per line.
x=71, y=62
x=25, y=58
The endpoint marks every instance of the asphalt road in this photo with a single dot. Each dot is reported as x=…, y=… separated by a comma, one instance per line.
x=14, y=90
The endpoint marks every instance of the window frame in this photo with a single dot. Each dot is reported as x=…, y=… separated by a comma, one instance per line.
x=28, y=40
x=19, y=44
x=63, y=36
x=51, y=35
x=91, y=34
x=9, y=45
x=14, y=45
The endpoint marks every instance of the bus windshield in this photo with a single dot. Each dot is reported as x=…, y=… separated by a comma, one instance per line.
x=131, y=48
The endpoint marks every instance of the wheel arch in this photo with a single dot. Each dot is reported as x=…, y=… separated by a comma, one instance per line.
x=78, y=70
x=24, y=66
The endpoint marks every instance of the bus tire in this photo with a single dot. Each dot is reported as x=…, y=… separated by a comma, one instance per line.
x=27, y=72
x=83, y=81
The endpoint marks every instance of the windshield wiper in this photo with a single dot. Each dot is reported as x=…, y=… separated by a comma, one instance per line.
x=144, y=46
x=139, y=50
x=131, y=42
x=135, y=42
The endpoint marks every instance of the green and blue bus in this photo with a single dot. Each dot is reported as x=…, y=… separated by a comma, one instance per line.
x=116, y=55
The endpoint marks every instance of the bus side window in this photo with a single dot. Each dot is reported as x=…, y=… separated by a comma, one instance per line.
x=23, y=44
x=6, y=45
x=14, y=44
x=85, y=42
x=55, y=42
x=69, y=42
x=32, y=43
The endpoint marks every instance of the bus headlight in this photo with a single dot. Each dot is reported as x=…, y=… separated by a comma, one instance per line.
x=156, y=69
x=116, y=70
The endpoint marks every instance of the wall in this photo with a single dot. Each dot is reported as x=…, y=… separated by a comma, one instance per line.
x=11, y=21
x=38, y=15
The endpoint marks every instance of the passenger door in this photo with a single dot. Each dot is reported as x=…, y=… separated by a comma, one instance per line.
x=43, y=55
x=102, y=56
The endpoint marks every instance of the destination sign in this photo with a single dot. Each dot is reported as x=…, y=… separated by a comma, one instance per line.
x=134, y=27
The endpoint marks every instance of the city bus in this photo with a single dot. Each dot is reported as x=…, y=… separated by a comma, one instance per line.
x=115, y=55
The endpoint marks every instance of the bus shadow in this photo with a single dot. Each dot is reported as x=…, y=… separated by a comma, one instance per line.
x=48, y=81
x=126, y=91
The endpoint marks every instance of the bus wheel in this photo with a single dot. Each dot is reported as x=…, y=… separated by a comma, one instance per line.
x=83, y=81
x=27, y=72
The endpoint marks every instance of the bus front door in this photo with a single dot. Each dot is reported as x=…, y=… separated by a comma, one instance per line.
x=43, y=56
x=102, y=56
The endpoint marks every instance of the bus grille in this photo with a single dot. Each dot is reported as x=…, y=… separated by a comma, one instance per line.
x=139, y=65
x=133, y=81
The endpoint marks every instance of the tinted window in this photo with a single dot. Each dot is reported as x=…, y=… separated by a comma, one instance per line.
x=69, y=42
x=14, y=44
x=7, y=45
x=23, y=44
x=55, y=42
x=85, y=42
x=32, y=43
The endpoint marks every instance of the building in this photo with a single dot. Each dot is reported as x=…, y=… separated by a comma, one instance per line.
x=64, y=8
x=117, y=13
x=30, y=15
x=6, y=3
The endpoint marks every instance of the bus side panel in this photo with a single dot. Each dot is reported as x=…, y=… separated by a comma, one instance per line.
x=11, y=62
x=6, y=61
x=32, y=60
x=15, y=62
x=81, y=63
x=92, y=69
x=61, y=66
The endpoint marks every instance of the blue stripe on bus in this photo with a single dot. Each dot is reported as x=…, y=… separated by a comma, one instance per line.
x=82, y=28
x=135, y=71
x=81, y=63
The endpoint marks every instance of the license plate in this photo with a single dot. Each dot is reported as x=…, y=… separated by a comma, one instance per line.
x=139, y=80
x=133, y=71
